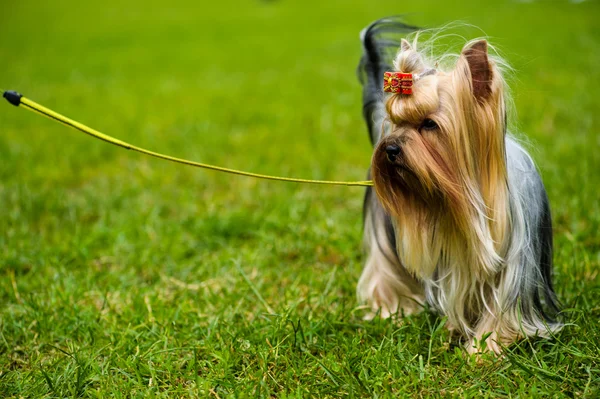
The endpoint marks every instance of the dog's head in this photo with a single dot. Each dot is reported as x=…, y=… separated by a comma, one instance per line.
x=444, y=154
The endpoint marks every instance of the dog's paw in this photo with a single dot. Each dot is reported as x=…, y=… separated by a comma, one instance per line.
x=487, y=343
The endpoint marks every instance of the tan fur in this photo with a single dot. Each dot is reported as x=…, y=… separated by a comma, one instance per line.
x=387, y=288
x=448, y=193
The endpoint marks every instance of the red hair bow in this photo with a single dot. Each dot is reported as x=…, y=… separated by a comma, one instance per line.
x=397, y=82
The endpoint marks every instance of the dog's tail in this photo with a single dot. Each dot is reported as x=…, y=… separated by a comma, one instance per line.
x=381, y=40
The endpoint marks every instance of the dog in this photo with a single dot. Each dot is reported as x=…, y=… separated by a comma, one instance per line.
x=458, y=219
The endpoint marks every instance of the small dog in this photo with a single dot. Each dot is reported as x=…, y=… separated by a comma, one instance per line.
x=458, y=218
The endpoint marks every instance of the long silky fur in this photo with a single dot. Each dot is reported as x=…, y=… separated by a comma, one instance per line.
x=481, y=253
x=384, y=284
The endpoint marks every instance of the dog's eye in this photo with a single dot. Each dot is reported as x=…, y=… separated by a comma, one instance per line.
x=428, y=124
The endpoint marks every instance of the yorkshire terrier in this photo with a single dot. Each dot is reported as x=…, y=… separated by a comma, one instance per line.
x=459, y=219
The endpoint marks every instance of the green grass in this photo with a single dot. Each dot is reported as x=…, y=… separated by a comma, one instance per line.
x=125, y=276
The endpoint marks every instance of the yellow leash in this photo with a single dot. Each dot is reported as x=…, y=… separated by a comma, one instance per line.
x=19, y=100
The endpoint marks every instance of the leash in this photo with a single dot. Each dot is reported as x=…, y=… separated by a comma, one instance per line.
x=17, y=100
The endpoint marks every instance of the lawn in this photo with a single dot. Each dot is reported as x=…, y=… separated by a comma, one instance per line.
x=127, y=276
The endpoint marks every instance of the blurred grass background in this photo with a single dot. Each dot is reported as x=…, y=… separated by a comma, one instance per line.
x=126, y=276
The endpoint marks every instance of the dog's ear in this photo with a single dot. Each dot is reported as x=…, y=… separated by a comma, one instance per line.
x=405, y=45
x=476, y=55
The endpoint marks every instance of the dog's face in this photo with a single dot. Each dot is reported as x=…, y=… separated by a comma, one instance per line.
x=444, y=154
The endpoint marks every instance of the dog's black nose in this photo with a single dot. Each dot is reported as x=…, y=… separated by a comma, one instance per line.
x=392, y=151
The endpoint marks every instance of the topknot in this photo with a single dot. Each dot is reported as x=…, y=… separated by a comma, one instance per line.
x=409, y=60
